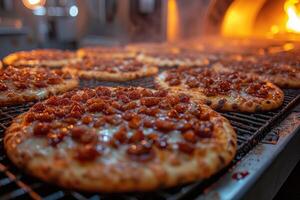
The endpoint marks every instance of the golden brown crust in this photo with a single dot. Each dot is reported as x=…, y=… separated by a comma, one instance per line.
x=232, y=101
x=51, y=58
x=120, y=174
x=105, y=52
x=119, y=76
x=111, y=70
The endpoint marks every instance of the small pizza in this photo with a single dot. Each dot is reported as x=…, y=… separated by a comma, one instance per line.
x=120, y=140
x=174, y=58
x=105, y=52
x=225, y=91
x=281, y=74
x=19, y=85
x=111, y=69
x=52, y=58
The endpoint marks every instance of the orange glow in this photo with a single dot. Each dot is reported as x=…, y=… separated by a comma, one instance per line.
x=33, y=4
x=172, y=21
x=240, y=17
x=293, y=22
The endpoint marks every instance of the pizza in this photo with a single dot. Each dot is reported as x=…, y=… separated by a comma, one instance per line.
x=168, y=54
x=105, y=52
x=52, y=58
x=19, y=85
x=174, y=58
x=225, y=91
x=111, y=69
x=120, y=140
x=281, y=74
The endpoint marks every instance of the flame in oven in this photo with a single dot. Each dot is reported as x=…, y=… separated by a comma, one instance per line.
x=172, y=21
x=293, y=22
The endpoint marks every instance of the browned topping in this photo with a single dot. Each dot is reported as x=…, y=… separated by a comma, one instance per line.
x=141, y=151
x=126, y=115
x=268, y=65
x=27, y=78
x=214, y=83
x=87, y=153
x=186, y=147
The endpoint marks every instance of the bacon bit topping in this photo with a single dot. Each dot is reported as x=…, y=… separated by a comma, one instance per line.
x=150, y=101
x=164, y=125
x=190, y=136
x=184, y=98
x=141, y=151
x=38, y=107
x=134, y=95
x=3, y=87
x=87, y=153
x=204, y=129
x=41, y=128
x=157, y=112
x=87, y=119
x=137, y=137
x=24, y=78
x=103, y=91
x=120, y=135
x=55, y=138
x=97, y=106
x=185, y=147
x=215, y=83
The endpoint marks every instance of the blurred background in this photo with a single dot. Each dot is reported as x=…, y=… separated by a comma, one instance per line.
x=68, y=24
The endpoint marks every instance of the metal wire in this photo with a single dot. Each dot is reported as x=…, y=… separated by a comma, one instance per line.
x=250, y=128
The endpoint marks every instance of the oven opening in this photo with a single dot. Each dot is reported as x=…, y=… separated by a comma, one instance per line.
x=278, y=19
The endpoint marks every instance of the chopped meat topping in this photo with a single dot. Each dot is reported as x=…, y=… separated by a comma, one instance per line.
x=93, y=117
x=27, y=78
x=214, y=83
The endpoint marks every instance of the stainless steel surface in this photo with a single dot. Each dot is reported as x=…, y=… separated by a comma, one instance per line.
x=268, y=166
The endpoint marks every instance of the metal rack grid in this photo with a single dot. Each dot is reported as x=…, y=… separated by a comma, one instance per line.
x=250, y=128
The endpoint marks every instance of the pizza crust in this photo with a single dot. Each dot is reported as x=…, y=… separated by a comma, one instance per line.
x=105, y=52
x=238, y=102
x=120, y=174
x=167, y=62
x=14, y=60
x=117, y=76
x=277, y=79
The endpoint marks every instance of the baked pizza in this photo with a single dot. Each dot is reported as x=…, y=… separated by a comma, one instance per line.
x=19, y=85
x=225, y=91
x=111, y=69
x=168, y=54
x=281, y=74
x=52, y=58
x=120, y=140
x=105, y=52
x=174, y=58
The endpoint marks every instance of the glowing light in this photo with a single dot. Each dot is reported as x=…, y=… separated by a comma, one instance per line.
x=274, y=29
x=288, y=46
x=172, y=21
x=40, y=11
x=240, y=17
x=293, y=22
x=33, y=4
x=73, y=11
